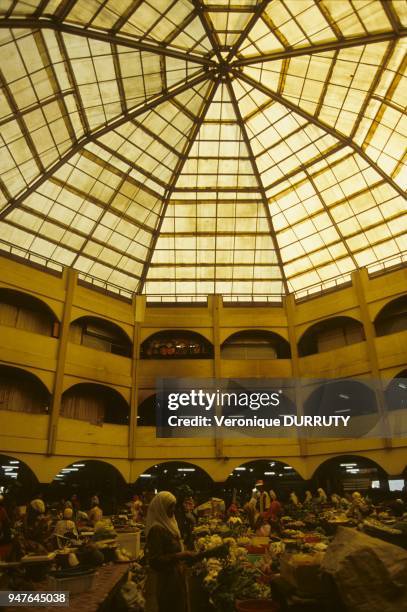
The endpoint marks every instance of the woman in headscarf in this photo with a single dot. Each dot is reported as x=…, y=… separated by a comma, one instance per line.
x=166, y=586
x=66, y=526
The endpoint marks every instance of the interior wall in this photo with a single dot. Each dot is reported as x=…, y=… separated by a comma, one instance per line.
x=134, y=448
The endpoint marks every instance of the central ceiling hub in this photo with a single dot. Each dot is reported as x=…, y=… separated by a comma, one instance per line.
x=223, y=68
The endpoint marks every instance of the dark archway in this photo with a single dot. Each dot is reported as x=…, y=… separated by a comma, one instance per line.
x=392, y=318
x=347, y=473
x=176, y=344
x=22, y=391
x=329, y=335
x=343, y=398
x=255, y=344
x=24, y=311
x=276, y=475
x=147, y=412
x=171, y=475
x=96, y=404
x=86, y=478
x=18, y=483
x=396, y=392
x=101, y=335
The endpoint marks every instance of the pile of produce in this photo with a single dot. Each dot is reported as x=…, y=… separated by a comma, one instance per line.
x=232, y=577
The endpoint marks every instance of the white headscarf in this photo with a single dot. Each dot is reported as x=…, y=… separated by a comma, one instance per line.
x=157, y=514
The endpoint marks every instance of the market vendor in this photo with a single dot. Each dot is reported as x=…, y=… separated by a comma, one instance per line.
x=136, y=508
x=36, y=527
x=250, y=509
x=5, y=524
x=66, y=526
x=262, y=526
x=263, y=498
x=276, y=509
x=165, y=586
x=185, y=517
x=359, y=507
x=95, y=514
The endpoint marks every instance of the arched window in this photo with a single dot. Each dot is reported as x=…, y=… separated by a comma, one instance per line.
x=255, y=344
x=96, y=404
x=329, y=335
x=21, y=391
x=100, y=335
x=24, y=311
x=176, y=344
x=392, y=318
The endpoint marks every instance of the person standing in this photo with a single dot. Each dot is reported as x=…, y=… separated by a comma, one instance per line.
x=95, y=514
x=263, y=499
x=165, y=585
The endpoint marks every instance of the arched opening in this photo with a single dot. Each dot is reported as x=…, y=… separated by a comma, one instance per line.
x=171, y=475
x=24, y=311
x=21, y=391
x=343, y=398
x=347, y=473
x=255, y=344
x=329, y=335
x=85, y=478
x=18, y=483
x=276, y=475
x=392, y=318
x=176, y=344
x=396, y=392
x=147, y=412
x=101, y=335
x=96, y=404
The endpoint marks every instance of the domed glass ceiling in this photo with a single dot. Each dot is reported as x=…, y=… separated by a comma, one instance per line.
x=182, y=148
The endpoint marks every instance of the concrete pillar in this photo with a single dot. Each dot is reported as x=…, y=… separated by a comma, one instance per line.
x=215, y=302
x=139, y=308
x=289, y=305
x=360, y=279
x=70, y=278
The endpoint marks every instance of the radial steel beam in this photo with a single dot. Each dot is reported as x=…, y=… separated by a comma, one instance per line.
x=207, y=26
x=64, y=9
x=369, y=39
x=391, y=15
x=323, y=126
x=177, y=171
x=77, y=146
x=249, y=26
x=372, y=88
x=126, y=15
x=256, y=173
x=108, y=37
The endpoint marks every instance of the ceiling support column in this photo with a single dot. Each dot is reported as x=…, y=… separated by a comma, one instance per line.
x=139, y=306
x=289, y=306
x=70, y=277
x=360, y=280
x=215, y=302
